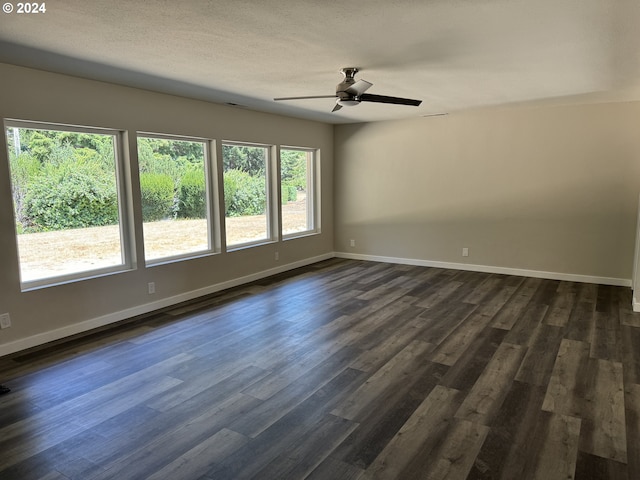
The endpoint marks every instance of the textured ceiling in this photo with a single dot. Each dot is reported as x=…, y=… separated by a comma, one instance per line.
x=452, y=54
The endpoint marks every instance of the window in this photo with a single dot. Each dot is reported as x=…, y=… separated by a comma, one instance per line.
x=297, y=187
x=175, y=205
x=67, y=200
x=246, y=193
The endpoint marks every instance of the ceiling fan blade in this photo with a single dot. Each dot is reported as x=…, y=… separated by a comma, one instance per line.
x=336, y=108
x=359, y=88
x=367, y=97
x=304, y=98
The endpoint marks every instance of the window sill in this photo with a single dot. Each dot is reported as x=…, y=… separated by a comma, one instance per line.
x=75, y=278
x=306, y=233
x=245, y=246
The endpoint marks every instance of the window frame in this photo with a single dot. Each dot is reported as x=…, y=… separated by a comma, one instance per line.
x=313, y=189
x=123, y=187
x=211, y=183
x=271, y=191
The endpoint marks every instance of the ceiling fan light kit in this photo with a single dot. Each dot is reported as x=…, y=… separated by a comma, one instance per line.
x=347, y=102
x=350, y=93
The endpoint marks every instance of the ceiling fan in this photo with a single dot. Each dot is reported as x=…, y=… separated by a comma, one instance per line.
x=350, y=92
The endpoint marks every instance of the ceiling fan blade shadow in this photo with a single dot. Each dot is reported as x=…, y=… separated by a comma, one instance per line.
x=367, y=97
x=304, y=98
x=436, y=50
x=336, y=108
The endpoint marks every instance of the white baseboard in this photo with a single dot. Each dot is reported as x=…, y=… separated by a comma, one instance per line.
x=636, y=304
x=81, y=327
x=569, y=277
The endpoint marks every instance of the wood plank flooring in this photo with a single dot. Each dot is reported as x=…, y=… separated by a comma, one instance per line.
x=342, y=370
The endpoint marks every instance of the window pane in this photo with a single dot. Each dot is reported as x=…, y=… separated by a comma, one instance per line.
x=66, y=205
x=245, y=193
x=174, y=197
x=297, y=197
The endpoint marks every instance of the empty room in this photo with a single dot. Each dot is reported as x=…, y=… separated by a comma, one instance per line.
x=318, y=240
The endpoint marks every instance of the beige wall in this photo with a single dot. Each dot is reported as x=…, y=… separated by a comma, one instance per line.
x=550, y=189
x=35, y=95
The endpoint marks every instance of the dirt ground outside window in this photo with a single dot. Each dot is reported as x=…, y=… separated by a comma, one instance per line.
x=49, y=254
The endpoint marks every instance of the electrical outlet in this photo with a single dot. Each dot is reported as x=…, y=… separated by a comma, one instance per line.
x=277, y=256
x=465, y=252
x=352, y=242
x=5, y=320
x=152, y=288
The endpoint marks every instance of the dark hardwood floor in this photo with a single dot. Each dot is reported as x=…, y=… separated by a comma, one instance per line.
x=341, y=370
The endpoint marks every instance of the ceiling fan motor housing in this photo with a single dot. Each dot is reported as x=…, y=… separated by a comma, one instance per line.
x=345, y=98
